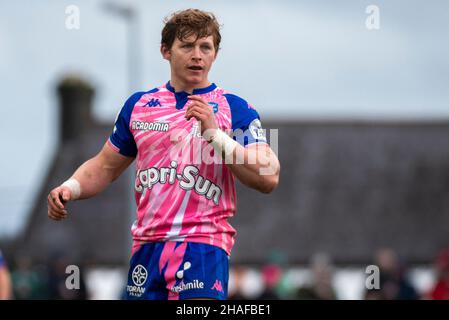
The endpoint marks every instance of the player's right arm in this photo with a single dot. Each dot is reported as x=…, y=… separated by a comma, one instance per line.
x=97, y=173
x=92, y=177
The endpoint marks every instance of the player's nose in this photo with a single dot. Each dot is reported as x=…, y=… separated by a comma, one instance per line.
x=196, y=55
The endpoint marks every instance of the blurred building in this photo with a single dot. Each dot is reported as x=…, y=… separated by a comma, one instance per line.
x=348, y=188
x=96, y=231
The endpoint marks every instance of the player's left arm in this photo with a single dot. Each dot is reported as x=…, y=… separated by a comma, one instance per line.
x=260, y=168
x=255, y=165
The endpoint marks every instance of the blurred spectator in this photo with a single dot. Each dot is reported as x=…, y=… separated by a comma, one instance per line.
x=27, y=283
x=237, y=275
x=284, y=286
x=321, y=287
x=271, y=274
x=394, y=284
x=5, y=280
x=441, y=289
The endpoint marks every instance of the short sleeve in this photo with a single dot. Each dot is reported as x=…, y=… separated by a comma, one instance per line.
x=121, y=138
x=246, y=124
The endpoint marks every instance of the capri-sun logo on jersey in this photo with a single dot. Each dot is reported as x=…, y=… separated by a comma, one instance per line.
x=189, y=179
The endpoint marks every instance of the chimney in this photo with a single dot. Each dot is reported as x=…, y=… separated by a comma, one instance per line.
x=75, y=100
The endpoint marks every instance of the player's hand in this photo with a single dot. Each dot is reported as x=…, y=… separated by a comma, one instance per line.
x=56, y=200
x=201, y=111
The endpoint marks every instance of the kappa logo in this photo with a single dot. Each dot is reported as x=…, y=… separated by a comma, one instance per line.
x=217, y=286
x=153, y=103
x=139, y=275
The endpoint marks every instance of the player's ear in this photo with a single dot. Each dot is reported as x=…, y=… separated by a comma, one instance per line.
x=165, y=51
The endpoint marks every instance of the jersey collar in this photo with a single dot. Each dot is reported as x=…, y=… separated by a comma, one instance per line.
x=195, y=91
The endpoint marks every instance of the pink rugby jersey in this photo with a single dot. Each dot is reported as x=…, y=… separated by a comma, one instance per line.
x=183, y=190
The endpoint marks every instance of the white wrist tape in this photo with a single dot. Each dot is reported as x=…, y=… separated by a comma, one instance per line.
x=75, y=188
x=223, y=143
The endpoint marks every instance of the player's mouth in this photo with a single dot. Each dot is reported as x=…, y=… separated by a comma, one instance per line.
x=195, y=68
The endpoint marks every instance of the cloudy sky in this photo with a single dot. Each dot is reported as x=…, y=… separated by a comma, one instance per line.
x=290, y=59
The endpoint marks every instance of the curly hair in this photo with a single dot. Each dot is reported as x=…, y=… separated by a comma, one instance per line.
x=183, y=24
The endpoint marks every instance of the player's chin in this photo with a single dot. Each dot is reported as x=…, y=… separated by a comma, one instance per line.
x=195, y=79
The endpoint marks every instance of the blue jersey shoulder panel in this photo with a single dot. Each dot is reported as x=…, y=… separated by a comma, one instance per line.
x=2, y=261
x=245, y=121
x=121, y=136
x=242, y=115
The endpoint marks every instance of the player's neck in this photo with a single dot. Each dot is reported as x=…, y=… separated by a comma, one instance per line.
x=188, y=87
